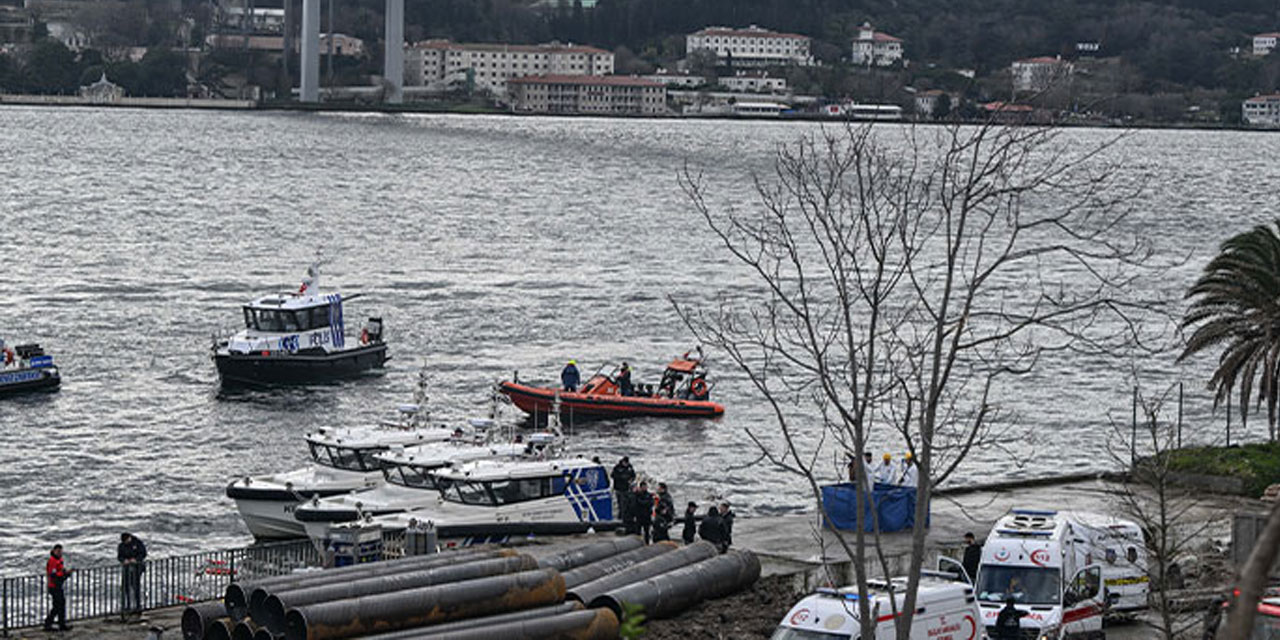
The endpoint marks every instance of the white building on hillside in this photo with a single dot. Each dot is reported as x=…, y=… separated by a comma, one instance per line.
x=1262, y=111
x=1263, y=43
x=751, y=47
x=431, y=61
x=754, y=82
x=1034, y=75
x=875, y=48
x=677, y=80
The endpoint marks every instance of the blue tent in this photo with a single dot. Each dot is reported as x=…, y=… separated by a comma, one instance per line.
x=895, y=507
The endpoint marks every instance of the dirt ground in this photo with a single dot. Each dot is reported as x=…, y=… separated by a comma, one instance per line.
x=753, y=613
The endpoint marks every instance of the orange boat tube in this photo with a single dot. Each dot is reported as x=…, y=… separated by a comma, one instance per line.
x=605, y=401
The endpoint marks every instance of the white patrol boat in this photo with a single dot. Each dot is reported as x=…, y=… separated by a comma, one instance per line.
x=26, y=367
x=297, y=338
x=342, y=460
x=490, y=500
x=409, y=480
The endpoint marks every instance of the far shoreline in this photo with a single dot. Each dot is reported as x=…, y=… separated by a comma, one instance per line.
x=225, y=105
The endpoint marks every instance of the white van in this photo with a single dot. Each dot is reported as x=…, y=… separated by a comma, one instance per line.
x=945, y=610
x=1065, y=569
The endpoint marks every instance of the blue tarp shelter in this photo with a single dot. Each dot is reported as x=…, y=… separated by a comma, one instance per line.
x=895, y=506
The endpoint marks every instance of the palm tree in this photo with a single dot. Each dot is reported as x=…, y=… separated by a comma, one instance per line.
x=1237, y=304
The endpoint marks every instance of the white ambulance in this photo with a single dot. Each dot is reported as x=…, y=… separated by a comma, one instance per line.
x=945, y=610
x=1066, y=570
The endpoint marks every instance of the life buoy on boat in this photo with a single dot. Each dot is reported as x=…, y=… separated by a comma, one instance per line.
x=698, y=387
x=364, y=336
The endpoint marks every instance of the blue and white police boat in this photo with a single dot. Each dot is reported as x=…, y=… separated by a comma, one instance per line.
x=298, y=338
x=26, y=367
x=493, y=500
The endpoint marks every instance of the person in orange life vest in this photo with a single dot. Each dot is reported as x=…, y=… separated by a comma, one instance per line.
x=56, y=573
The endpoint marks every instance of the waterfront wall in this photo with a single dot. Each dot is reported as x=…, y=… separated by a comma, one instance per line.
x=155, y=103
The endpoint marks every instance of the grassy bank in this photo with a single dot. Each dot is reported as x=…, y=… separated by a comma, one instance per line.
x=1257, y=464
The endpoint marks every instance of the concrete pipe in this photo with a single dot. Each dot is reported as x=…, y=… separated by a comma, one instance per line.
x=589, y=553
x=588, y=624
x=241, y=598
x=487, y=621
x=197, y=618
x=613, y=564
x=656, y=566
x=425, y=605
x=244, y=631
x=670, y=593
x=219, y=630
x=263, y=634
x=278, y=603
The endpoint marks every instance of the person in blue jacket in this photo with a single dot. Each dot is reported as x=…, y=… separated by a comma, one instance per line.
x=570, y=376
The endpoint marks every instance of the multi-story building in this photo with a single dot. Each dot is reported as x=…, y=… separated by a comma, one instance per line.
x=1034, y=75
x=927, y=102
x=343, y=45
x=493, y=65
x=678, y=80
x=615, y=95
x=751, y=47
x=875, y=48
x=754, y=82
x=1262, y=111
x=1263, y=43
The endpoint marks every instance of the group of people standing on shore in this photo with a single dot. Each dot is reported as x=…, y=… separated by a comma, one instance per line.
x=132, y=555
x=903, y=474
x=652, y=515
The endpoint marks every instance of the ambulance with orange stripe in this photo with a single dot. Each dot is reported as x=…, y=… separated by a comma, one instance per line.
x=1066, y=570
x=945, y=610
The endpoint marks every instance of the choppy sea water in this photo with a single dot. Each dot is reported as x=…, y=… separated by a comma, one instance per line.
x=488, y=245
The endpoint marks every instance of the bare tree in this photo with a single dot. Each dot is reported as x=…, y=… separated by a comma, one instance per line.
x=1164, y=511
x=907, y=271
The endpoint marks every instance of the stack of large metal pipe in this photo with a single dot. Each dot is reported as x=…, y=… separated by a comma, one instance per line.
x=668, y=594
x=244, y=599
x=468, y=595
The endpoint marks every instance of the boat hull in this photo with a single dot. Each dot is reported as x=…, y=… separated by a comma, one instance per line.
x=257, y=369
x=269, y=514
x=29, y=380
x=538, y=401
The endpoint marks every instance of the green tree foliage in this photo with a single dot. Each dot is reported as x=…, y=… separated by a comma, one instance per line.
x=1236, y=307
x=50, y=68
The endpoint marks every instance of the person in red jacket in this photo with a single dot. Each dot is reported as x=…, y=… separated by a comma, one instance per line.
x=57, y=573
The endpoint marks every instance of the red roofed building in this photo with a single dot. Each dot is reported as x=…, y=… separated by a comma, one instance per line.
x=751, y=47
x=1264, y=43
x=875, y=48
x=493, y=65
x=1035, y=75
x=1262, y=111
x=604, y=95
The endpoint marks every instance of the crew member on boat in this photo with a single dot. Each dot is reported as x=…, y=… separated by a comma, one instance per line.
x=570, y=377
x=624, y=380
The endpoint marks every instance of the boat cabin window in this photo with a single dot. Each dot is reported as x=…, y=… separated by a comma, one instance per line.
x=498, y=492
x=345, y=458
x=285, y=320
x=414, y=476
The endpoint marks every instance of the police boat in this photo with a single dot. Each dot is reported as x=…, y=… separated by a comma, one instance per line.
x=26, y=367
x=297, y=338
x=409, y=480
x=491, y=501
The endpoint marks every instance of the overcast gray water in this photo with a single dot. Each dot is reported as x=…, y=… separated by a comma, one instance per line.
x=488, y=244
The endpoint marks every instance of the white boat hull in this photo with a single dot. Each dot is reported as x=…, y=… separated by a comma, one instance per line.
x=270, y=519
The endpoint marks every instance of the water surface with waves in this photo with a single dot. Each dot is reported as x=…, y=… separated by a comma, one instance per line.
x=488, y=245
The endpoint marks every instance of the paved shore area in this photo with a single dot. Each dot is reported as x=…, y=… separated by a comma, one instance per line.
x=795, y=545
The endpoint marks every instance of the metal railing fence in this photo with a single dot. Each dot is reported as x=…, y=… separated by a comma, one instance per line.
x=98, y=591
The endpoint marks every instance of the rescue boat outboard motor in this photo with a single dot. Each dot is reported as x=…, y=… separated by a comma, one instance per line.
x=373, y=329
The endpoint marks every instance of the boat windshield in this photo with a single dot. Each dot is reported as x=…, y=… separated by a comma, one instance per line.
x=412, y=476
x=499, y=492
x=344, y=458
x=1027, y=585
x=286, y=320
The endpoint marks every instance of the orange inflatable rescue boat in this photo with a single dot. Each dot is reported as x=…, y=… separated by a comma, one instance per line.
x=683, y=393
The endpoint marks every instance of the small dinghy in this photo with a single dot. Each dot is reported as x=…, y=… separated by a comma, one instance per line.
x=297, y=338
x=27, y=367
